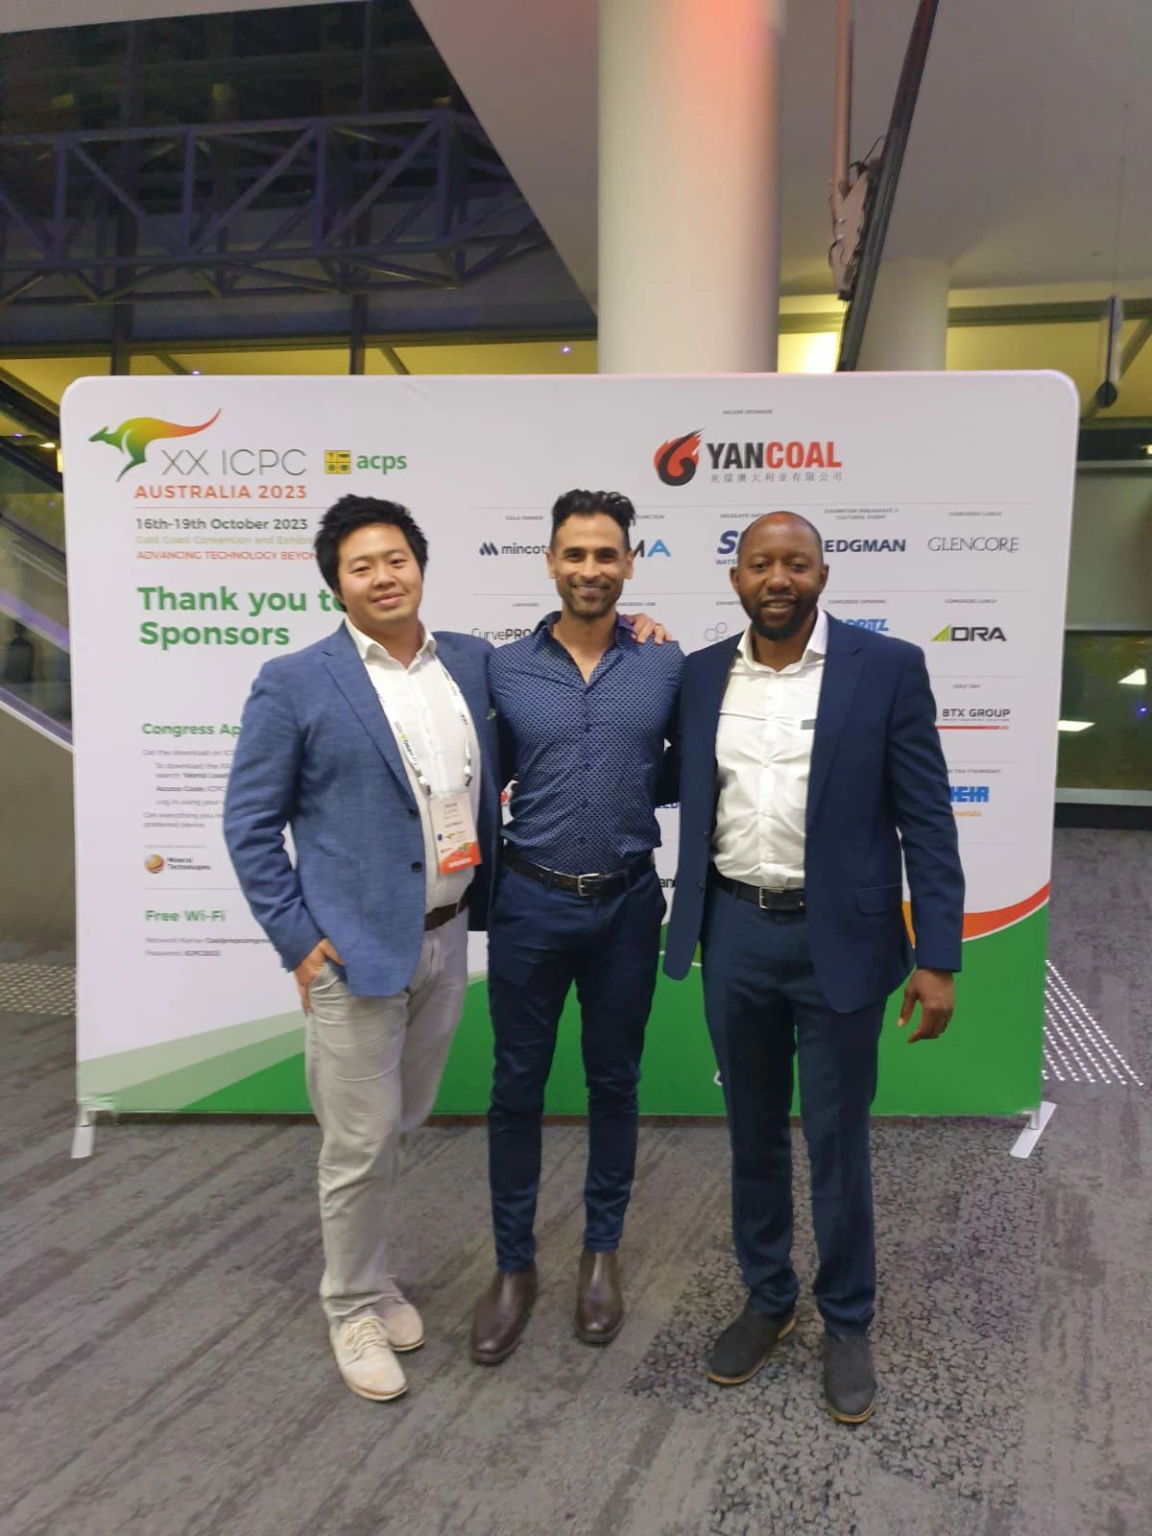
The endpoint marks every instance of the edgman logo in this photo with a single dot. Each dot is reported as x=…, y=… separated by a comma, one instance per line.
x=969, y=632
x=135, y=436
x=677, y=460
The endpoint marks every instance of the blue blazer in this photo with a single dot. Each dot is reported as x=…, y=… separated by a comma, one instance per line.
x=877, y=782
x=316, y=753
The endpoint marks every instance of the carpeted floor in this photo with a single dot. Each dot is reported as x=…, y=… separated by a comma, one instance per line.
x=166, y=1370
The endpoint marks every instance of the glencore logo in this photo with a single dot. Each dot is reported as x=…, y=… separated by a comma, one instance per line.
x=677, y=460
x=136, y=435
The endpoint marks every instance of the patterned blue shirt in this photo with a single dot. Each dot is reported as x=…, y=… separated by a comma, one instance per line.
x=586, y=756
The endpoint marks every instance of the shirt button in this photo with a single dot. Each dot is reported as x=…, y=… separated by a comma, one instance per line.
x=417, y=867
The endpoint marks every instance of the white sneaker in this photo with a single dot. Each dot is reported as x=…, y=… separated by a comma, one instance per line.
x=402, y=1323
x=365, y=1358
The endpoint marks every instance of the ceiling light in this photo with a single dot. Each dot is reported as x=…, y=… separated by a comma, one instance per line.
x=1075, y=725
x=566, y=349
x=47, y=445
x=1137, y=679
x=1148, y=447
x=195, y=373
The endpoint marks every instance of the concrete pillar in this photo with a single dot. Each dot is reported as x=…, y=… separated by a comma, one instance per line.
x=689, y=263
x=907, y=326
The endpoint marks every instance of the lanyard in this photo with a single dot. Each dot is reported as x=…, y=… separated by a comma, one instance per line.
x=409, y=750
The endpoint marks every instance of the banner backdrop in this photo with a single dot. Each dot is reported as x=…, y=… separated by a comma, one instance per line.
x=944, y=502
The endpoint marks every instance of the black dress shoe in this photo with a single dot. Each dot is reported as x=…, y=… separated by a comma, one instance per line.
x=849, y=1379
x=745, y=1345
x=599, y=1299
x=502, y=1314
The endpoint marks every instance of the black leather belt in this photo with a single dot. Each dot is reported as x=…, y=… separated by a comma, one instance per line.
x=441, y=915
x=759, y=896
x=580, y=885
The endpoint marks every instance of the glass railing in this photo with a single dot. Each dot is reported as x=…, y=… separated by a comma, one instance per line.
x=1106, y=718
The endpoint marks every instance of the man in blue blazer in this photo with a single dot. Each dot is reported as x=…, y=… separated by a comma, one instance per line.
x=377, y=747
x=825, y=766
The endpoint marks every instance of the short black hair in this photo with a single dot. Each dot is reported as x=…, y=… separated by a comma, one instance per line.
x=352, y=512
x=588, y=503
x=781, y=512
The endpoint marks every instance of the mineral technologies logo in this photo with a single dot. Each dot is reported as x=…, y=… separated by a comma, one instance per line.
x=677, y=460
x=135, y=436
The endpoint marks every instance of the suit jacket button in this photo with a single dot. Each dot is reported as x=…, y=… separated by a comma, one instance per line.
x=417, y=867
x=699, y=885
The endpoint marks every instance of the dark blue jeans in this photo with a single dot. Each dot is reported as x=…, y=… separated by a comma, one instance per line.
x=763, y=1007
x=540, y=941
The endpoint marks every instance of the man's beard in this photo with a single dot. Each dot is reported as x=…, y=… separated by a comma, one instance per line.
x=591, y=605
x=785, y=628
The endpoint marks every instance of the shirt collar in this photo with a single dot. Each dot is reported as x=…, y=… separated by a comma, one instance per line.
x=369, y=647
x=817, y=642
x=544, y=628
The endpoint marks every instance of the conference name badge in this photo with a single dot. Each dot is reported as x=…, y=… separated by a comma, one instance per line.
x=457, y=846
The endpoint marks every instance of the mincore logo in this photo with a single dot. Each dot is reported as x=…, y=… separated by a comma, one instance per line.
x=135, y=436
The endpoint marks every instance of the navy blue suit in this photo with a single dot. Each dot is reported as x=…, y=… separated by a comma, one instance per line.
x=316, y=752
x=814, y=983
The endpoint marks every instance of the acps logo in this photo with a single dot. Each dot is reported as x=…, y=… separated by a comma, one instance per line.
x=676, y=461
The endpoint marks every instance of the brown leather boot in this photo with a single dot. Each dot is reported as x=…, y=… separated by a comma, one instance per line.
x=502, y=1314
x=599, y=1299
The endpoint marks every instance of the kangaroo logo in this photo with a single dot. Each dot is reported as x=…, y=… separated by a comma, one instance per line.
x=134, y=437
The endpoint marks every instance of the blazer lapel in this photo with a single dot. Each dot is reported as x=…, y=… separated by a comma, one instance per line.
x=711, y=697
x=351, y=677
x=842, y=668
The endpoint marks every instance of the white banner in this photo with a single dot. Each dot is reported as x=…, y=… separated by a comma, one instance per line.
x=944, y=502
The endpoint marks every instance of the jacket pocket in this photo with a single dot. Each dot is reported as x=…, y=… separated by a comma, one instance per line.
x=879, y=898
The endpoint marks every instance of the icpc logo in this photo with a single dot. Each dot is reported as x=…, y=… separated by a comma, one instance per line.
x=135, y=436
x=677, y=459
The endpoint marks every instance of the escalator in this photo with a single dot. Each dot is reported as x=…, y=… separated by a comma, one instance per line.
x=37, y=892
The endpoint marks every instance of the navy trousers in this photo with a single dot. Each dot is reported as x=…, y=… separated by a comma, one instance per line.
x=540, y=941
x=763, y=1007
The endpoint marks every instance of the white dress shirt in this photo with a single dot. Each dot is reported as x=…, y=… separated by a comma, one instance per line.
x=763, y=754
x=419, y=697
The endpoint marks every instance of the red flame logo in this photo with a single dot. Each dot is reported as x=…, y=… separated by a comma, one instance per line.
x=677, y=459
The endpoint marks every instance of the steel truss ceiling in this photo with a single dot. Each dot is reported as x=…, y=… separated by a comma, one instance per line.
x=334, y=205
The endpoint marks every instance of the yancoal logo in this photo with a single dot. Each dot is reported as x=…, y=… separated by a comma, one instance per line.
x=958, y=634
x=878, y=626
x=136, y=435
x=677, y=459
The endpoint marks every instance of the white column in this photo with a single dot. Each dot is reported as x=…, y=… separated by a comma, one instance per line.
x=689, y=263
x=907, y=326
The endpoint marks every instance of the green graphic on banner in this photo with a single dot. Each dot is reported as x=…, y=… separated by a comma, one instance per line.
x=1000, y=1020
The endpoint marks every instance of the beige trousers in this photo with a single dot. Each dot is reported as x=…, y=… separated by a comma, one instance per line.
x=374, y=1066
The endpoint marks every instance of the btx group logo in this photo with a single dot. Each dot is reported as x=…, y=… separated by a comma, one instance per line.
x=677, y=460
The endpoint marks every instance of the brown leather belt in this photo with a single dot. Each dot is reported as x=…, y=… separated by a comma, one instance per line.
x=442, y=915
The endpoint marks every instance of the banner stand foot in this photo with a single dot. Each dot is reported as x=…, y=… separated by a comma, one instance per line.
x=84, y=1136
x=1037, y=1120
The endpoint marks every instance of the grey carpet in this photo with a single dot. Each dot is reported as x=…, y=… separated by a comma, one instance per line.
x=165, y=1368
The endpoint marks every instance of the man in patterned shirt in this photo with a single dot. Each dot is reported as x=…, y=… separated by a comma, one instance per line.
x=585, y=712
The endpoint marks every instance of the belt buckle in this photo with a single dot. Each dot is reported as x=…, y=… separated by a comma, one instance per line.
x=580, y=879
x=760, y=895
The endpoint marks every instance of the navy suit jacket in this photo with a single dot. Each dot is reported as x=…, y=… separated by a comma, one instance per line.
x=878, y=783
x=316, y=753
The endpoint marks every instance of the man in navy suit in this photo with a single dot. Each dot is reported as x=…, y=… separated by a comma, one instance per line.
x=825, y=766
x=378, y=748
